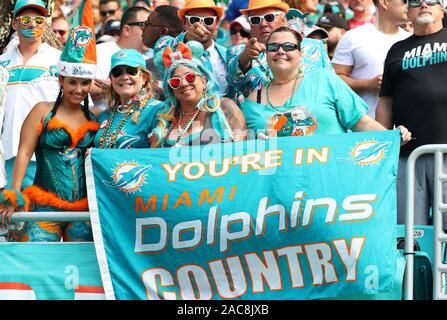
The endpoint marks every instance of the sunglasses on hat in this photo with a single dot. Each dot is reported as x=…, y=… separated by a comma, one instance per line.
x=120, y=70
x=418, y=3
x=26, y=20
x=176, y=82
x=242, y=32
x=208, y=21
x=286, y=46
x=269, y=17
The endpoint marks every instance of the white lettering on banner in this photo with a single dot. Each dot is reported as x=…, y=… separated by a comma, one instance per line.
x=226, y=236
x=223, y=283
x=319, y=256
x=188, y=274
x=141, y=225
x=349, y=256
x=312, y=204
x=296, y=275
x=262, y=273
x=358, y=208
x=264, y=211
x=150, y=277
x=179, y=243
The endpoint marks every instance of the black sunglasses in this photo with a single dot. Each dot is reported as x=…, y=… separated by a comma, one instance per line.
x=120, y=70
x=418, y=3
x=137, y=23
x=286, y=46
x=107, y=12
x=242, y=32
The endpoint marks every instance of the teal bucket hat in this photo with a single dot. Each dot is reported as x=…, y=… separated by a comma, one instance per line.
x=128, y=57
x=29, y=4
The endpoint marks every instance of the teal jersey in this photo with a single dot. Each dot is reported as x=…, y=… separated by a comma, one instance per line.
x=322, y=104
x=131, y=135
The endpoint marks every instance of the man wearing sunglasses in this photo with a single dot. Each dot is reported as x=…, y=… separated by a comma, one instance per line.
x=201, y=20
x=247, y=63
x=30, y=64
x=61, y=27
x=163, y=21
x=413, y=93
x=131, y=30
x=109, y=9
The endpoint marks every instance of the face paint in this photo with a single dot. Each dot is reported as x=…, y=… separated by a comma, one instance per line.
x=31, y=33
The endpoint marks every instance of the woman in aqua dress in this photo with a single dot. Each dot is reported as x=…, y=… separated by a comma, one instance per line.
x=295, y=103
x=194, y=113
x=131, y=116
x=58, y=133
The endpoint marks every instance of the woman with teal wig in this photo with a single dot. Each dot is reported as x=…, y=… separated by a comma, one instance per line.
x=194, y=113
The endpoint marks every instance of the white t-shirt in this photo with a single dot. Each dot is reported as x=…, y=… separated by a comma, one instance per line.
x=365, y=48
x=28, y=85
x=104, y=53
x=219, y=68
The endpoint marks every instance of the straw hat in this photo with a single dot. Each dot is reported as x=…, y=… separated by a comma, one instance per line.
x=261, y=4
x=200, y=4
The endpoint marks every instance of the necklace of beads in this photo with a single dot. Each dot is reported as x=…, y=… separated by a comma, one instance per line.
x=298, y=76
x=108, y=137
x=182, y=131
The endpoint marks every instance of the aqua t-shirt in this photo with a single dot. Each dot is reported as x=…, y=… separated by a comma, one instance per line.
x=322, y=104
x=132, y=135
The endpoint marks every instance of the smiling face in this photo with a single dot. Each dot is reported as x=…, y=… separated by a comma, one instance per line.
x=281, y=60
x=32, y=31
x=202, y=13
x=188, y=93
x=127, y=86
x=75, y=89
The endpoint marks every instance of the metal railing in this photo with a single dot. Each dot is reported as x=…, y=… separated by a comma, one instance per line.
x=439, y=208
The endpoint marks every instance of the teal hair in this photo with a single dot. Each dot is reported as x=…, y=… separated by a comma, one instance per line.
x=206, y=102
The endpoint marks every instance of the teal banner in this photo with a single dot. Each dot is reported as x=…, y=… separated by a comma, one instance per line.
x=49, y=271
x=288, y=218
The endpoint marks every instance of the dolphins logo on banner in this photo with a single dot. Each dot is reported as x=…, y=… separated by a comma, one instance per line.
x=128, y=177
x=369, y=152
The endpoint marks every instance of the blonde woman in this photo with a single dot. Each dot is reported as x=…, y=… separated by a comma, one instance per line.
x=194, y=112
x=131, y=116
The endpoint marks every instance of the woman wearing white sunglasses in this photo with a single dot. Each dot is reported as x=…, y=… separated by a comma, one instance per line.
x=297, y=103
x=195, y=113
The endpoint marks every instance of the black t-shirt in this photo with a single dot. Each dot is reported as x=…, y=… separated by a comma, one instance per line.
x=415, y=76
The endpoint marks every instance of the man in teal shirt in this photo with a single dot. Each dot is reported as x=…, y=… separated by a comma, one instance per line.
x=247, y=64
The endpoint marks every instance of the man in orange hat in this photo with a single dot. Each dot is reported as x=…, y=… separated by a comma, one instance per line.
x=201, y=21
x=247, y=64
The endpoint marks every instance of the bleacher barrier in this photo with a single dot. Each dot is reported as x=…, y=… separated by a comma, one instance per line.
x=439, y=237
x=423, y=244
